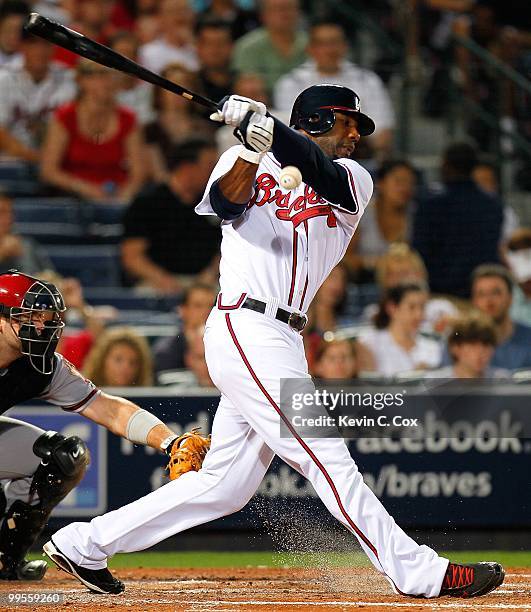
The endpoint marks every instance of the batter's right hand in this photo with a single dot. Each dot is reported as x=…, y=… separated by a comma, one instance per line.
x=235, y=108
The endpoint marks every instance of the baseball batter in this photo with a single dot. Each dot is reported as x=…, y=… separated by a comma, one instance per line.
x=278, y=247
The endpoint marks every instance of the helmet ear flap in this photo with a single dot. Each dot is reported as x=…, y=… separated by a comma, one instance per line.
x=318, y=122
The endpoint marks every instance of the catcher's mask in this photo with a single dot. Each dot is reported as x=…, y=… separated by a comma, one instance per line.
x=36, y=307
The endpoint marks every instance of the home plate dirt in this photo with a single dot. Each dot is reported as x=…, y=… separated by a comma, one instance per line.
x=261, y=589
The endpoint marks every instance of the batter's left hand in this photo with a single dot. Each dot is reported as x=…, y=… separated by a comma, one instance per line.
x=235, y=108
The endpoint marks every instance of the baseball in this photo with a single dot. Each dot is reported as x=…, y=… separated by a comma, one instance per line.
x=290, y=177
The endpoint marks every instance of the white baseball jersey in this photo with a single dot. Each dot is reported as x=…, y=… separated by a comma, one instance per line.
x=286, y=242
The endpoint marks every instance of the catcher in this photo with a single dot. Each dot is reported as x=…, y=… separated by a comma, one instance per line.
x=39, y=468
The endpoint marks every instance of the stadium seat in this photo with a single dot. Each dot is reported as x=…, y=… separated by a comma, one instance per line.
x=94, y=266
x=47, y=210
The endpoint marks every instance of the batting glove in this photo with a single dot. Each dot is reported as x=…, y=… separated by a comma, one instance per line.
x=256, y=132
x=235, y=108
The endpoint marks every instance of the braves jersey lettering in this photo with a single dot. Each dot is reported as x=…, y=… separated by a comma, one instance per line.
x=286, y=242
x=268, y=191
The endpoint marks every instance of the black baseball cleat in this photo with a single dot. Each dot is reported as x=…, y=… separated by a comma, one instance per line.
x=98, y=581
x=24, y=570
x=471, y=580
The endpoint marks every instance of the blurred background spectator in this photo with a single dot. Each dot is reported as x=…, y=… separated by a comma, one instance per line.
x=400, y=264
x=29, y=93
x=336, y=360
x=327, y=63
x=92, y=18
x=214, y=51
x=120, y=358
x=518, y=257
x=84, y=323
x=492, y=287
x=175, y=42
x=275, y=48
x=12, y=16
x=132, y=93
x=18, y=252
x=395, y=345
x=325, y=311
x=458, y=228
x=197, y=301
x=471, y=344
x=176, y=120
x=387, y=219
x=194, y=359
x=146, y=24
x=93, y=146
x=165, y=242
x=240, y=21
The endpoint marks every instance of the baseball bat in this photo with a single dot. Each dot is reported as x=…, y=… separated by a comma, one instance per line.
x=86, y=47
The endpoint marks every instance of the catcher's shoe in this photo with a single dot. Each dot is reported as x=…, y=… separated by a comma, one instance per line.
x=472, y=580
x=98, y=581
x=25, y=570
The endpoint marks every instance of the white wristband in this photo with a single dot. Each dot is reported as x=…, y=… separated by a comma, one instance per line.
x=139, y=425
x=250, y=156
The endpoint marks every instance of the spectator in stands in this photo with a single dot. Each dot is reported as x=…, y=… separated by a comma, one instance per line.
x=58, y=10
x=395, y=345
x=336, y=360
x=93, y=147
x=28, y=95
x=166, y=243
x=401, y=264
x=12, y=16
x=176, y=121
x=277, y=47
x=387, y=219
x=214, y=50
x=120, y=358
x=147, y=23
x=326, y=311
x=229, y=12
x=132, y=93
x=93, y=19
x=329, y=302
x=176, y=42
x=194, y=359
x=492, y=287
x=17, y=252
x=88, y=321
x=328, y=63
x=471, y=345
x=193, y=311
x=518, y=257
x=459, y=228
x=486, y=177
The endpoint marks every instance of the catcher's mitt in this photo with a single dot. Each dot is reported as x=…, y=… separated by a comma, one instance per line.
x=187, y=453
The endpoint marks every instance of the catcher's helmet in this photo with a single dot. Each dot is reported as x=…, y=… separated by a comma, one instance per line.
x=36, y=306
x=314, y=109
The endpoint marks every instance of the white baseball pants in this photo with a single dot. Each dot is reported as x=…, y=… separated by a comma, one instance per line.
x=247, y=353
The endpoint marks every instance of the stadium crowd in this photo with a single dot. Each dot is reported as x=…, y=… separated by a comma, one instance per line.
x=437, y=279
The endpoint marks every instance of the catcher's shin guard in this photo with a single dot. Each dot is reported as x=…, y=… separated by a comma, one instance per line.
x=22, y=524
x=63, y=464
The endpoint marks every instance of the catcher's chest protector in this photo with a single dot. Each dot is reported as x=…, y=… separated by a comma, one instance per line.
x=21, y=382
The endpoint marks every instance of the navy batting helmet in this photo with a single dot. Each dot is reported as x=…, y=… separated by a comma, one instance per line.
x=314, y=109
